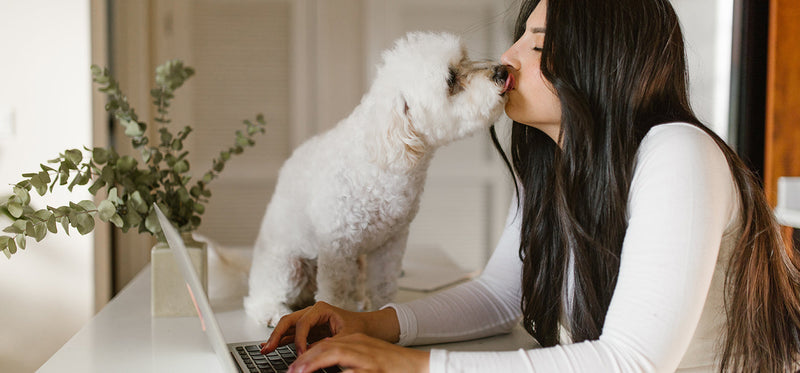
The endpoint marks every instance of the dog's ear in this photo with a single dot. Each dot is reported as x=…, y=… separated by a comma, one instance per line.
x=405, y=146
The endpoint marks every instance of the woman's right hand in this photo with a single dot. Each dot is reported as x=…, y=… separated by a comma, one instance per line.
x=323, y=320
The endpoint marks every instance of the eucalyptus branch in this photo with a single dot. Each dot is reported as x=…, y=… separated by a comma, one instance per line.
x=132, y=188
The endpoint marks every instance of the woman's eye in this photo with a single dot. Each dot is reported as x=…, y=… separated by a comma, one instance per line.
x=538, y=49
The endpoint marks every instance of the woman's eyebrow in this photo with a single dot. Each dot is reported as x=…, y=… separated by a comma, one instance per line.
x=536, y=30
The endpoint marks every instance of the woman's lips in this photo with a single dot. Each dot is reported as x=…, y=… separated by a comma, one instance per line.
x=509, y=83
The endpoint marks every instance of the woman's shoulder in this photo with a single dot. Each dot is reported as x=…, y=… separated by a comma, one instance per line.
x=682, y=158
x=679, y=143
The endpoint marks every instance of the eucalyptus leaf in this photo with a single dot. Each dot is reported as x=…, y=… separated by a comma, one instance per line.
x=51, y=224
x=132, y=128
x=117, y=220
x=23, y=195
x=7, y=252
x=39, y=184
x=106, y=210
x=74, y=155
x=40, y=230
x=45, y=176
x=100, y=155
x=65, y=224
x=12, y=247
x=43, y=214
x=181, y=167
x=85, y=224
x=151, y=222
x=138, y=202
x=20, y=241
x=87, y=205
x=15, y=209
x=17, y=227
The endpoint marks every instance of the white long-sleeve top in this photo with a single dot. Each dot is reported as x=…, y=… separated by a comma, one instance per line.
x=667, y=309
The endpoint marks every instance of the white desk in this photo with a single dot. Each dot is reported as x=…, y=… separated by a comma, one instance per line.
x=124, y=338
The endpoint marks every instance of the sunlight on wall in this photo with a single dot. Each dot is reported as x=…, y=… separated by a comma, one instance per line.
x=707, y=28
x=45, y=108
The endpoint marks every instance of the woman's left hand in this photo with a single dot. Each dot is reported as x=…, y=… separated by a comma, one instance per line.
x=360, y=353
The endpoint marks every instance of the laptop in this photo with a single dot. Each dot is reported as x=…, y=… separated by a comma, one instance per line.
x=233, y=357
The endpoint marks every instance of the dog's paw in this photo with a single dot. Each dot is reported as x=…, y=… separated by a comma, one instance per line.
x=268, y=313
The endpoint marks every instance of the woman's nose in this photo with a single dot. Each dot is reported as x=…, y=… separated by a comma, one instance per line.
x=509, y=58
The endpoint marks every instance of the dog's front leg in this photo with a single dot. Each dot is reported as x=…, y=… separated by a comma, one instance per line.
x=384, y=265
x=340, y=280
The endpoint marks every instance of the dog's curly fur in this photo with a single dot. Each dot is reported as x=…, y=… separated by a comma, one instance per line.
x=336, y=227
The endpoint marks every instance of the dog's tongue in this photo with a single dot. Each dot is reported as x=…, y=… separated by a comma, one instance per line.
x=509, y=83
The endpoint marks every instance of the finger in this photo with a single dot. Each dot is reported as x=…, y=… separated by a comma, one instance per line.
x=314, y=317
x=323, y=355
x=285, y=325
x=354, y=353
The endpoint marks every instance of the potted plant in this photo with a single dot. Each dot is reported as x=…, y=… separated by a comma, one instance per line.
x=131, y=186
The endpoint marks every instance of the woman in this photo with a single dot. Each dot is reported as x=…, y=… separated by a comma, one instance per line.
x=641, y=242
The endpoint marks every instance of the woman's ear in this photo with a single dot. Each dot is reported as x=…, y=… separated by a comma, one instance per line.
x=404, y=145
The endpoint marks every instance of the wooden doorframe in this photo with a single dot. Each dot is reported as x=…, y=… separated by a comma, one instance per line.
x=782, y=142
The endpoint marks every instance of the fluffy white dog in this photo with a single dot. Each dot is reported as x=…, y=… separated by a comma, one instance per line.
x=337, y=224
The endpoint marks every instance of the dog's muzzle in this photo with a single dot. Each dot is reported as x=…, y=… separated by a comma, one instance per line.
x=500, y=74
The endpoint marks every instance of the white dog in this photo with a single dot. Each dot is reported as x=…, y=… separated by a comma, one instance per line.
x=337, y=224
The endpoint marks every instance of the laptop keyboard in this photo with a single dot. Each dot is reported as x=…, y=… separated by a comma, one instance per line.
x=273, y=362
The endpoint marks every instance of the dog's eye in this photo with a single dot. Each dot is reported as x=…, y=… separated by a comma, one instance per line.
x=452, y=78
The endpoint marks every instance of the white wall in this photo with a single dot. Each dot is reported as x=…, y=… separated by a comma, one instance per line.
x=707, y=27
x=47, y=290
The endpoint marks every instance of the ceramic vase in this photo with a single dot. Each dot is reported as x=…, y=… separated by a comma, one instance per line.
x=169, y=294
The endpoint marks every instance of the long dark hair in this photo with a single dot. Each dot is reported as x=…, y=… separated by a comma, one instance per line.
x=619, y=69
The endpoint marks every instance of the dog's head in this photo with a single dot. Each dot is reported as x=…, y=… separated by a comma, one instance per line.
x=435, y=93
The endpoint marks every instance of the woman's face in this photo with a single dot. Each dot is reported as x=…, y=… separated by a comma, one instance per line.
x=532, y=99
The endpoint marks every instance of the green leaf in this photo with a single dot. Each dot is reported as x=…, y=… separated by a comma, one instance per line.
x=43, y=214
x=106, y=210
x=198, y=208
x=29, y=229
x=7, y=252
x=99, y=183
x=12, y=247
x=51, y=224
x=100, y=155
x=17, y=227
x=138, y=202
x=107, y=174
x=87, y=205
x=65, y=224
x=151, y=222
x=45, y=176
x=112, y=196
x=40, y=230
x=181, y=167
x=15, y=209
x=74, y=155
x=20, y=241
x=23, y=195
x=117, y=220
x=126, y=163
x=39, y=184
x=132, y=128
x=85, y=223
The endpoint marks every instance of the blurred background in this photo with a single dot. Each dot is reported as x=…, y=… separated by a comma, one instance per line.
x=303, y=63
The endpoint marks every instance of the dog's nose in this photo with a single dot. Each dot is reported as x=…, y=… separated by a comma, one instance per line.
x=500, y=74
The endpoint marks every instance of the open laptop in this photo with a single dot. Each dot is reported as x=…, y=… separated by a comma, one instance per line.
x=233, y=357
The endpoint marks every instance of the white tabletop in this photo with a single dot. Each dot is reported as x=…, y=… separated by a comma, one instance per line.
x=123, y=337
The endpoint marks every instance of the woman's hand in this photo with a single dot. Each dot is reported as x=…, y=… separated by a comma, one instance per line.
x=323, y=320
x=361, y=353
